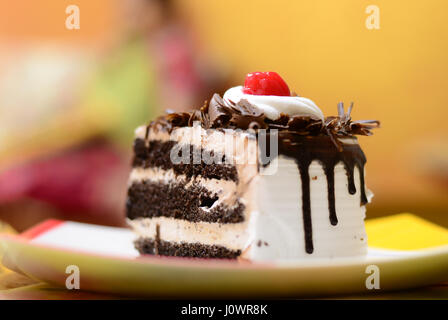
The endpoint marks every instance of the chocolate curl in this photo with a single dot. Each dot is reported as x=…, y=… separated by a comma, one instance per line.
x=335, y=140
x=304, y=125
x=177, y=119
x=343, y=126
x=194, y=116
x=218, y=112
x=245, y=109
x=363, y=127
x=341, y=109
x=245, y=116
x=280, y=123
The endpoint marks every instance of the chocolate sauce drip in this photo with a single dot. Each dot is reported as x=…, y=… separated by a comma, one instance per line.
x=304, y=150
x=329, y=172
x=351, y=179
x=306, y=205
x=363, y=191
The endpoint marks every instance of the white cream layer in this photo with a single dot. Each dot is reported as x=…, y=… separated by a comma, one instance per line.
x=273, y=106
x=229, y=235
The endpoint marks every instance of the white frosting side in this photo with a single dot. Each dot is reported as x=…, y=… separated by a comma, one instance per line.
x=278, y=221
x=273, y=106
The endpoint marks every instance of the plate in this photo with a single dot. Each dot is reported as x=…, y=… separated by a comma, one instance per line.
x=108, y=263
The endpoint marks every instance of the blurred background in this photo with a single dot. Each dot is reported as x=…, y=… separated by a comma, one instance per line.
x=70, y=99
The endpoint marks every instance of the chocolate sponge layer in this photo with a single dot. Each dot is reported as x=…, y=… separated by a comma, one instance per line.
x=148, y=199
x=157, y=154
x=183, y=249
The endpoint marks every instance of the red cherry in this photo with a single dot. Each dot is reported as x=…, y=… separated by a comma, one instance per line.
x=265, y=84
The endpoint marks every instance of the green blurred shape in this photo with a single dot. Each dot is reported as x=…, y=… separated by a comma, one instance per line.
x=122, y=94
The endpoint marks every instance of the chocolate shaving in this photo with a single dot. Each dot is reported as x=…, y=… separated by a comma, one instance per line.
x=343, y=126
x=220, y=113
x=177, y=119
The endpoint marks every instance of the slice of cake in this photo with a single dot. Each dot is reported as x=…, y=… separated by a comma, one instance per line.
x=259, y=174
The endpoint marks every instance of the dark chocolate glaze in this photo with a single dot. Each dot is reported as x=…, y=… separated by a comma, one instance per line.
x=306, y=149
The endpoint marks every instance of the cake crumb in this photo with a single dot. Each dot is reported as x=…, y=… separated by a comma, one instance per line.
x=262, y=243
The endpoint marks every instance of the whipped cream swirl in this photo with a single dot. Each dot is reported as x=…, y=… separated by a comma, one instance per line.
x=273, y=106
